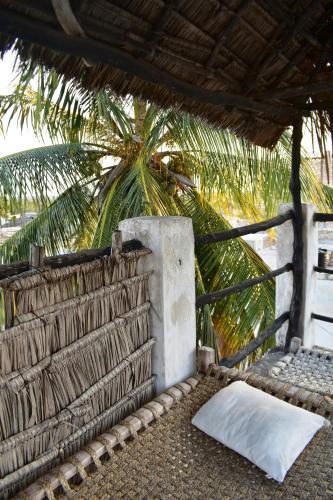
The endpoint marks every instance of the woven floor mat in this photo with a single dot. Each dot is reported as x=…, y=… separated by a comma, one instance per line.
x=312, y=370
x=172, y=459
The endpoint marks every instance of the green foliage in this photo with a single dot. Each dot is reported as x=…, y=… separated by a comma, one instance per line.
x=236, y=318
x=56, y=226
x=39, y=173
x=328, y=191
x=5, y=208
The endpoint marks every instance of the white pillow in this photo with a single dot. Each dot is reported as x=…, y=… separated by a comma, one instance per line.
x=269, y=432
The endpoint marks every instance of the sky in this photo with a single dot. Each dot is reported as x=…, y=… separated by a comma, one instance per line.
x=16, y=140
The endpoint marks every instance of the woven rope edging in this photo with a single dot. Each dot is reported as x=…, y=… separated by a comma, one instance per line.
x=147, y=414
x=106, y=442
x=309, y=400
x=81, y=438
x=308, y=369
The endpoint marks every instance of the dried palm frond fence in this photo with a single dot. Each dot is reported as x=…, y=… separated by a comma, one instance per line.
x=212, y=297
x=75, y=357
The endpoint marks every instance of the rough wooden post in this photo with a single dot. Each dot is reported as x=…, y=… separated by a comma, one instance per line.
x=8, y=302
x=37, y=254
x=295, y=188
x=206, y=357
x=117, y=243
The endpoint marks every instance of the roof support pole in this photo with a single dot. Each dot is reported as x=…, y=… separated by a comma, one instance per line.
x=297, y=261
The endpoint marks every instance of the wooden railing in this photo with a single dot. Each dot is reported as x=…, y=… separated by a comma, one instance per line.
x=244, y=230
x=323, y=270
x=212, y=297
x=322, y=217
x=321, y=317
x=209, y=298
x=233, y=360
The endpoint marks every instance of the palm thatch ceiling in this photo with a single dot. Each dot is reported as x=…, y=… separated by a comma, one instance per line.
x=250, y=65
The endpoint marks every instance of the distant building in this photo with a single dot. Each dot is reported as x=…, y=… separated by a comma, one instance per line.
x=324, y=168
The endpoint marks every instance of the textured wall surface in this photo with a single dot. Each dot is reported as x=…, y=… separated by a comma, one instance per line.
x=172, y=293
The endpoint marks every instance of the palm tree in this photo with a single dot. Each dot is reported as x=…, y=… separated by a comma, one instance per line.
x=121, y=158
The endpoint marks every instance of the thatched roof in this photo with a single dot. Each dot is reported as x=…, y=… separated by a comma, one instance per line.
x=249, y=65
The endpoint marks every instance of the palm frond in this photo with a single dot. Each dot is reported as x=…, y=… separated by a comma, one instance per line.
x=328, y=190
x=253, y=179
x=46, y=102
x=56, y=227
x=238, y=318
x=44, y=172
x=137, y=192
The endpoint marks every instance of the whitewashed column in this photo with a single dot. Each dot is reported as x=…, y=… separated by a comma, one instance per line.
x=310, y=237
x=284, y=282
x=172, y=293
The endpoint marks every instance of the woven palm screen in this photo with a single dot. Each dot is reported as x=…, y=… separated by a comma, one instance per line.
x=76, y=360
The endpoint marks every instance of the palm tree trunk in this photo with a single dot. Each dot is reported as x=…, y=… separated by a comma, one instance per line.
x=140, y=110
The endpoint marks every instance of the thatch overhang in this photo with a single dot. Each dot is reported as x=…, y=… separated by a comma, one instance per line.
x=247, y=65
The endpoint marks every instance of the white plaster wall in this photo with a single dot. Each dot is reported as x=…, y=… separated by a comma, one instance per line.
x=310, y=238
x=323, y=304
x=172, y=293
x=284, y=282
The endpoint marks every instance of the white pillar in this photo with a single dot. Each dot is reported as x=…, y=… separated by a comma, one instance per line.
x=284, y=282
x=310, y=237
x=172, y=293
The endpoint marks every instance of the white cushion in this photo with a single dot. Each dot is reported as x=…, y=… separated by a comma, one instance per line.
x=269, y=432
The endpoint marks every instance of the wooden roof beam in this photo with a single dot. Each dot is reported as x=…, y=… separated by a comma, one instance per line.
x=290, y=64
x=255, y=73
x=298, y=56
x=227, y=31
x=156, y=30
x=44, y=35
x=146, y=26
x=200, y=69
x=68, y=20
x=275, y=11
x=317, y=106
x=300, y=90
x=137, y=43
x=245, y=22
x=121, y=11
x=284, y=16
x=228, y=51
x=210, y=39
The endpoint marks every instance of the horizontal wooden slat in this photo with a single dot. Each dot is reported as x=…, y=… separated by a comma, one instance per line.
x=243, y=230
x=323, y=270
x=209, y=298
x=321, y=317
x=69, y=259
x=322, y=217
x=7, y=270
x=255, y=343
